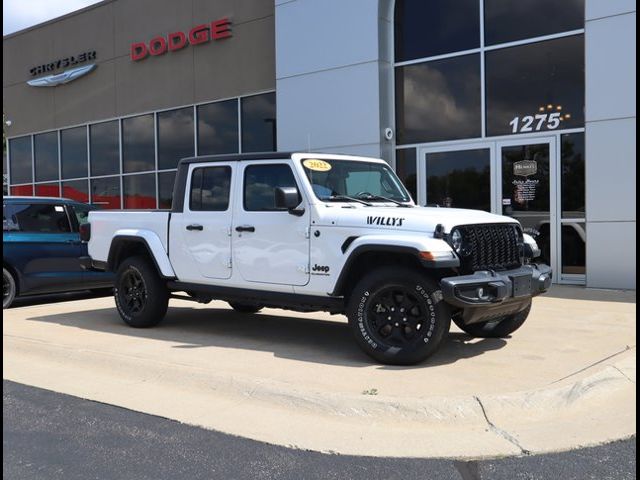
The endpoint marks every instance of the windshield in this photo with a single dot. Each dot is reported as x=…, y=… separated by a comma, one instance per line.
x=338, y=179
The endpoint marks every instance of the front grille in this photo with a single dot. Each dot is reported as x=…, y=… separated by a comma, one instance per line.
x=490, y=247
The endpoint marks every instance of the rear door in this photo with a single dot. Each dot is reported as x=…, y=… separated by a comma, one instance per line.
x=44, y=247
x=200, y=245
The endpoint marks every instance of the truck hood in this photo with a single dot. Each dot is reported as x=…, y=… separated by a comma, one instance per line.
x=420, y=219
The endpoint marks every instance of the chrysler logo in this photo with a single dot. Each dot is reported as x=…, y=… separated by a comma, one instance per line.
x=62, y=78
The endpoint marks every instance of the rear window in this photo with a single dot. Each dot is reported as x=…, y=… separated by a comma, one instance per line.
x=35, y=218
x=210, y=189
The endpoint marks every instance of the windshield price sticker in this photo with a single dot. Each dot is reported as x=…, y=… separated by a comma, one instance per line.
x=317, y=165
x=535, y=123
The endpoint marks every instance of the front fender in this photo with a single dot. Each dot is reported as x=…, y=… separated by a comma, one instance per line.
x=153, y=244
x=432, y=252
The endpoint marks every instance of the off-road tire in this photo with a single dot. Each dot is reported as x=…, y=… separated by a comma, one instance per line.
x=245, y=307
x=8, y=288
x=141, y=295
x=376, y=310
x=499, y=328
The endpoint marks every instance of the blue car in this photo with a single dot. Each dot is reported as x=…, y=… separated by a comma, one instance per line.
x=41, y=248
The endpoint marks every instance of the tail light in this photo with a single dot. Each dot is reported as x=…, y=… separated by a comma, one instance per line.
x=85, y=232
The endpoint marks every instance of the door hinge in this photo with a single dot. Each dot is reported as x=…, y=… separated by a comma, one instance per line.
x=304, y=269
x=229, y=263
x=307, y=232
x=229, y=231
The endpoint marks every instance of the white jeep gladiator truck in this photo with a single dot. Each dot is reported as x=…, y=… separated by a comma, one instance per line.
x=318, y=232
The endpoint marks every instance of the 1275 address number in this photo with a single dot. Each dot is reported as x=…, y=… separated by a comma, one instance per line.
x=535, y=123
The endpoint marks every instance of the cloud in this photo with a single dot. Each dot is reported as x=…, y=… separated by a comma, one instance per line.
x=21, y=14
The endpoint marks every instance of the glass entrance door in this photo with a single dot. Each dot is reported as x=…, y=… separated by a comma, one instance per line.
x=527, y=183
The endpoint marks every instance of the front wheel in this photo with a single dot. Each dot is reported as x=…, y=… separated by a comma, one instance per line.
x=398, y=316
x=141, y=296
x=8, y=288
x=498, y=328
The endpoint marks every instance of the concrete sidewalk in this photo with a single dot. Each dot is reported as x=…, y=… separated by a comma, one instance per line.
x=565, y=379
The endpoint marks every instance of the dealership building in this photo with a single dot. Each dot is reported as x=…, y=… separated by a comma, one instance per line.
x=523, y=108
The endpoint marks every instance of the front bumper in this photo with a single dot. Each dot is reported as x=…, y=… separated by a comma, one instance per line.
x=486, y=294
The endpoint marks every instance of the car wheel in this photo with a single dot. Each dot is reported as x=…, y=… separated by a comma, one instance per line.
x=141, y=296
x=8, y=288
x=246, y=307
x=498, y=328
x=398, y=316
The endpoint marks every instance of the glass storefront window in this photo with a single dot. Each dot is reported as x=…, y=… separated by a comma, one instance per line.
x=165, y=189
x=76, y=190
x=572, y=164
x=140, y=191
x=459, y=179
x=536, y=87
x=218, y=128
x=48, y=189
x=104, y=145
x=20, y=158
x=73, y=152
x=21, y=190
x=406, y=170
x=45, y=156
x=105, y=192
x=425, y=29
x=258, y=114
x=508, y=21
x=175, y=137
x=138, y=144
x=574, y=242
x=438, y=100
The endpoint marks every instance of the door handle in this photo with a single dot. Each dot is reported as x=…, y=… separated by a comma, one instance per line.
x=245, y=228
x=195, y=227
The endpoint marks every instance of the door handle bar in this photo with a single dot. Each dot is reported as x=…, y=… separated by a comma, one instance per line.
x=195, y=227
x=245, y=228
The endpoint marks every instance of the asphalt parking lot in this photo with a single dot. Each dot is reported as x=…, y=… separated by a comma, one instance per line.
x=48, y=435
x=270, y=376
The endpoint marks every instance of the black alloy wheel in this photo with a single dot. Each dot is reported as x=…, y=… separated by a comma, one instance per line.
x=141, y=294
x=395, y=316
x=134, y=291
x=398, y=316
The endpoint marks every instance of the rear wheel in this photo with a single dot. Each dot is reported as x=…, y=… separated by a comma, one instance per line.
x=498, y=328
x=8, y=288
x=397, y=316
x=141, y=296
x=246, y=307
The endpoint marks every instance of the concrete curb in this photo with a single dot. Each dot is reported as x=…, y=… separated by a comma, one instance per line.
x=596, y=407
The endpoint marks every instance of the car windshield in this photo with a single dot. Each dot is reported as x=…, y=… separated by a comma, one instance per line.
x=349, y=179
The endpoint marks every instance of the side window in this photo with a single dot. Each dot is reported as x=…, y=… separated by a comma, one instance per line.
x=41, y=218
x=210, y=188
x=260, y=183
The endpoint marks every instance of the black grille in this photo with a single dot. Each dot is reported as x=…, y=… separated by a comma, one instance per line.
x=490, y=247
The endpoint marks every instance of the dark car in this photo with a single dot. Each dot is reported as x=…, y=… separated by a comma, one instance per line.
x=41, y=248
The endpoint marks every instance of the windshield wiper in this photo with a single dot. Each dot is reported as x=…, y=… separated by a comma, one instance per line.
x=338, y=198
x=387, y=199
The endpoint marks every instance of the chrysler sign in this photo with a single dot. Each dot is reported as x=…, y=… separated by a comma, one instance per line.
x=62, y=78
x=207, y=32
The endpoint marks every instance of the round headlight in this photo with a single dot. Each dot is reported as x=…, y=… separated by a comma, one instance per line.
x=456, y=240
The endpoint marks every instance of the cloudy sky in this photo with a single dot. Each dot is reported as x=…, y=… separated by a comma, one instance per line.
x=19, y=14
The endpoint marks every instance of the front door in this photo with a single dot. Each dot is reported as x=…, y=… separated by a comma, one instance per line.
x=527, y=172
x=270, y=246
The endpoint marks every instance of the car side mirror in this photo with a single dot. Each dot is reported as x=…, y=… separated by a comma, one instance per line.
x=288, y=198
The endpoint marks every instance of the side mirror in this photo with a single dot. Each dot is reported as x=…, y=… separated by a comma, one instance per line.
x=288, y=198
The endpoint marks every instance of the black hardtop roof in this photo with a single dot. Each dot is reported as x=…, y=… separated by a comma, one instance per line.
x=238, y=157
